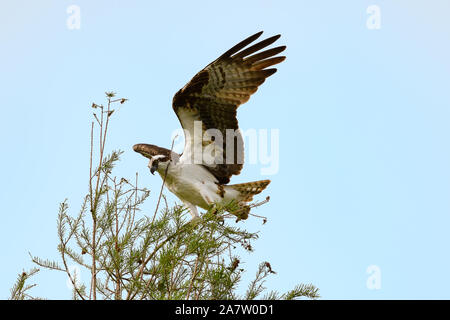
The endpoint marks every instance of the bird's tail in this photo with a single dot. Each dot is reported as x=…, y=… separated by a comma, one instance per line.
x=249, y=189
x=246, y=192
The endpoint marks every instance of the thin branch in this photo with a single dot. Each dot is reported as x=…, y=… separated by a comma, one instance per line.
x=164, y=179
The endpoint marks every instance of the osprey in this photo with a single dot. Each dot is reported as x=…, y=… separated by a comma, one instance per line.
x=206, y=108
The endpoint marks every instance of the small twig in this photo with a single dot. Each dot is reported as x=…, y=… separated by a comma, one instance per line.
x=96, y=118
x=68, y=272
x=164, y=179
x=135, y=201
x=257, y=204
x=194, y=275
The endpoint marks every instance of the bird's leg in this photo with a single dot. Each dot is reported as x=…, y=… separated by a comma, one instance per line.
x=192, y=209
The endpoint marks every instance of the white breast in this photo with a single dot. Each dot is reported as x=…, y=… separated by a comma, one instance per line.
x=192, y=183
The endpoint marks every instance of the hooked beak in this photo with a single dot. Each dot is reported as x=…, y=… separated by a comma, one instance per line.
x=154, y=168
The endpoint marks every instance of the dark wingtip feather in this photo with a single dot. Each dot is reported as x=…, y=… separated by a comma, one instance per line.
x=257, y=35
x=265, y=54
x=281, y=48
x=276, y=37
x=241, y=45
x=269, y=72
x=256, y=47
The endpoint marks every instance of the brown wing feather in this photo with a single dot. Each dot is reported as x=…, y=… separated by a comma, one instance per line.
x=214, y=94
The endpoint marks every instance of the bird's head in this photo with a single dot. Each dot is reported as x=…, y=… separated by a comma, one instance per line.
x=159, y=157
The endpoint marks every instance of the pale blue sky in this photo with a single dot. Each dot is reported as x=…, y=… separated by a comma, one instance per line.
x=363, y=116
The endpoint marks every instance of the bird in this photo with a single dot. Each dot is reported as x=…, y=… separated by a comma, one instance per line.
x=206, y=108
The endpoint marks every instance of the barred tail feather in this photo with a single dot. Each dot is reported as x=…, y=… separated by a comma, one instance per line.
x=249, y=189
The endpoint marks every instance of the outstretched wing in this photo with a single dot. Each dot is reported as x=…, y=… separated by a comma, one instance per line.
x=206, y=106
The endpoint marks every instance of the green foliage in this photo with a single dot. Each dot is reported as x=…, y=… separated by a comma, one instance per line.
x=20, y=289
x=131, y=255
